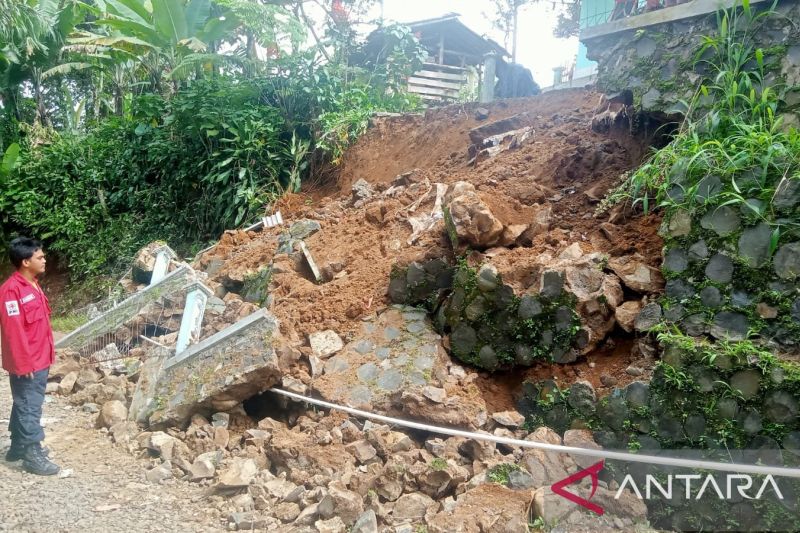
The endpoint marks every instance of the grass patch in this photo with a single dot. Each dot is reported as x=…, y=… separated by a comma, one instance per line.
x=438, y=464
x=67, y=323
x=500, y=473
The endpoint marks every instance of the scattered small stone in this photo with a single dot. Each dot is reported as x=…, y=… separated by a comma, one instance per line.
x=67, y=383
x=160, y=473
x=434, y=394
x=304, y=228
x=608, y=381
x=246, y=521
x=411, y=507
x=520, y=480
x=333, y=525
x=626, y=314
x=202, y=468
x=220, y=420
x=366, y=523
x=639, y=276
x=90, y=408
x=361, y=191
x=239, y=474
x=511, y=419
x=312, y=265
x=325, y=343
x=294, y=385
x=160, y=443
x=362, y=450
x=634, y=371
x=111, y=413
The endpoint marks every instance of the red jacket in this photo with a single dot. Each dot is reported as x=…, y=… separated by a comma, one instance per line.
x=27, y=339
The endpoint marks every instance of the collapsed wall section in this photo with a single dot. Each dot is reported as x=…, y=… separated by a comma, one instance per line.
x=217, y=373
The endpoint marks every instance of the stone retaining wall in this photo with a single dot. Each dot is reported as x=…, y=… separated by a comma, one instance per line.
x=657, y=61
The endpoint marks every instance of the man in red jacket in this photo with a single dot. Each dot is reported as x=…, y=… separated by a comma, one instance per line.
x=27, y=351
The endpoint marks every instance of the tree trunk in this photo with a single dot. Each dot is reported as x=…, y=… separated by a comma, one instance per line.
x=514, y=34
x=38, y=96
x=118, y=100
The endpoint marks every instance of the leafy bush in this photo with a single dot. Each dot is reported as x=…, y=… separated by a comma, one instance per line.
x=185, y=168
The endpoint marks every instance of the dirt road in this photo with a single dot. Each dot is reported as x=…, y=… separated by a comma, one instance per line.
x=105, y=490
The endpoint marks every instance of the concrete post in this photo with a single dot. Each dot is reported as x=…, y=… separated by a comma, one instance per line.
x=197, y=296
x=164, y=255
x=489, y=70
x=558, y=76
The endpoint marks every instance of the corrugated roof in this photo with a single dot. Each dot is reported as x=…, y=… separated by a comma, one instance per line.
x=457, y=35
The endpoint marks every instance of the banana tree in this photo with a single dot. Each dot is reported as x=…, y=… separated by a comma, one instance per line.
x=32, y=36
x=167, y=37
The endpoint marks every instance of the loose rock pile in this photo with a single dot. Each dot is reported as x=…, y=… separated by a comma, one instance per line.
x=314, y=471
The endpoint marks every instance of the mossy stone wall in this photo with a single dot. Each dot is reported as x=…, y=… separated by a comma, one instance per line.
x=489, y=326
x=658, y=62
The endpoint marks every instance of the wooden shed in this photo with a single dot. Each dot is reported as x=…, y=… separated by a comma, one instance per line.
x=452, y=47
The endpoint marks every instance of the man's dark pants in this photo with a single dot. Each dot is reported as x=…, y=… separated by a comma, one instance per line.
x=26, y=413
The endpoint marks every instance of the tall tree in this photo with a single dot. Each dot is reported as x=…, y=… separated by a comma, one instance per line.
x=169, y=38
x=506, y=19
x=32, y=36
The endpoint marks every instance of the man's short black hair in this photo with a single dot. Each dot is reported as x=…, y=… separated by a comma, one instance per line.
x=22, y=248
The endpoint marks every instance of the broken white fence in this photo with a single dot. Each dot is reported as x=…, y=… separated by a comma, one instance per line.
x=154, y=311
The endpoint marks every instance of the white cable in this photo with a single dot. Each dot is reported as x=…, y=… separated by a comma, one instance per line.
x=604, y=454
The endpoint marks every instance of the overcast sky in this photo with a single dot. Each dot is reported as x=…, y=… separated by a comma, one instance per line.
x=537, y=48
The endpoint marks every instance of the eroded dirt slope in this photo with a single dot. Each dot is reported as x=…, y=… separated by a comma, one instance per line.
x=565, y=169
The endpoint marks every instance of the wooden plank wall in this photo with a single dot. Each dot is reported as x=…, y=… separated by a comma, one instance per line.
x=437, y=82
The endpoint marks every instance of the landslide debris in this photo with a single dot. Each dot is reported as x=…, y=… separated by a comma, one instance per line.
x=525, y=208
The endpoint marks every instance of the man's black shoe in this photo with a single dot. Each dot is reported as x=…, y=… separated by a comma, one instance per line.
x=16, y=453
x=36, y=462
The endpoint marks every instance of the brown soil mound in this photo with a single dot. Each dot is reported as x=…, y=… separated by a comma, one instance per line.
x=566, y=166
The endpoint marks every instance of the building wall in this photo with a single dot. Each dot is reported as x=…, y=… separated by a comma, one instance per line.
x=656, y=60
